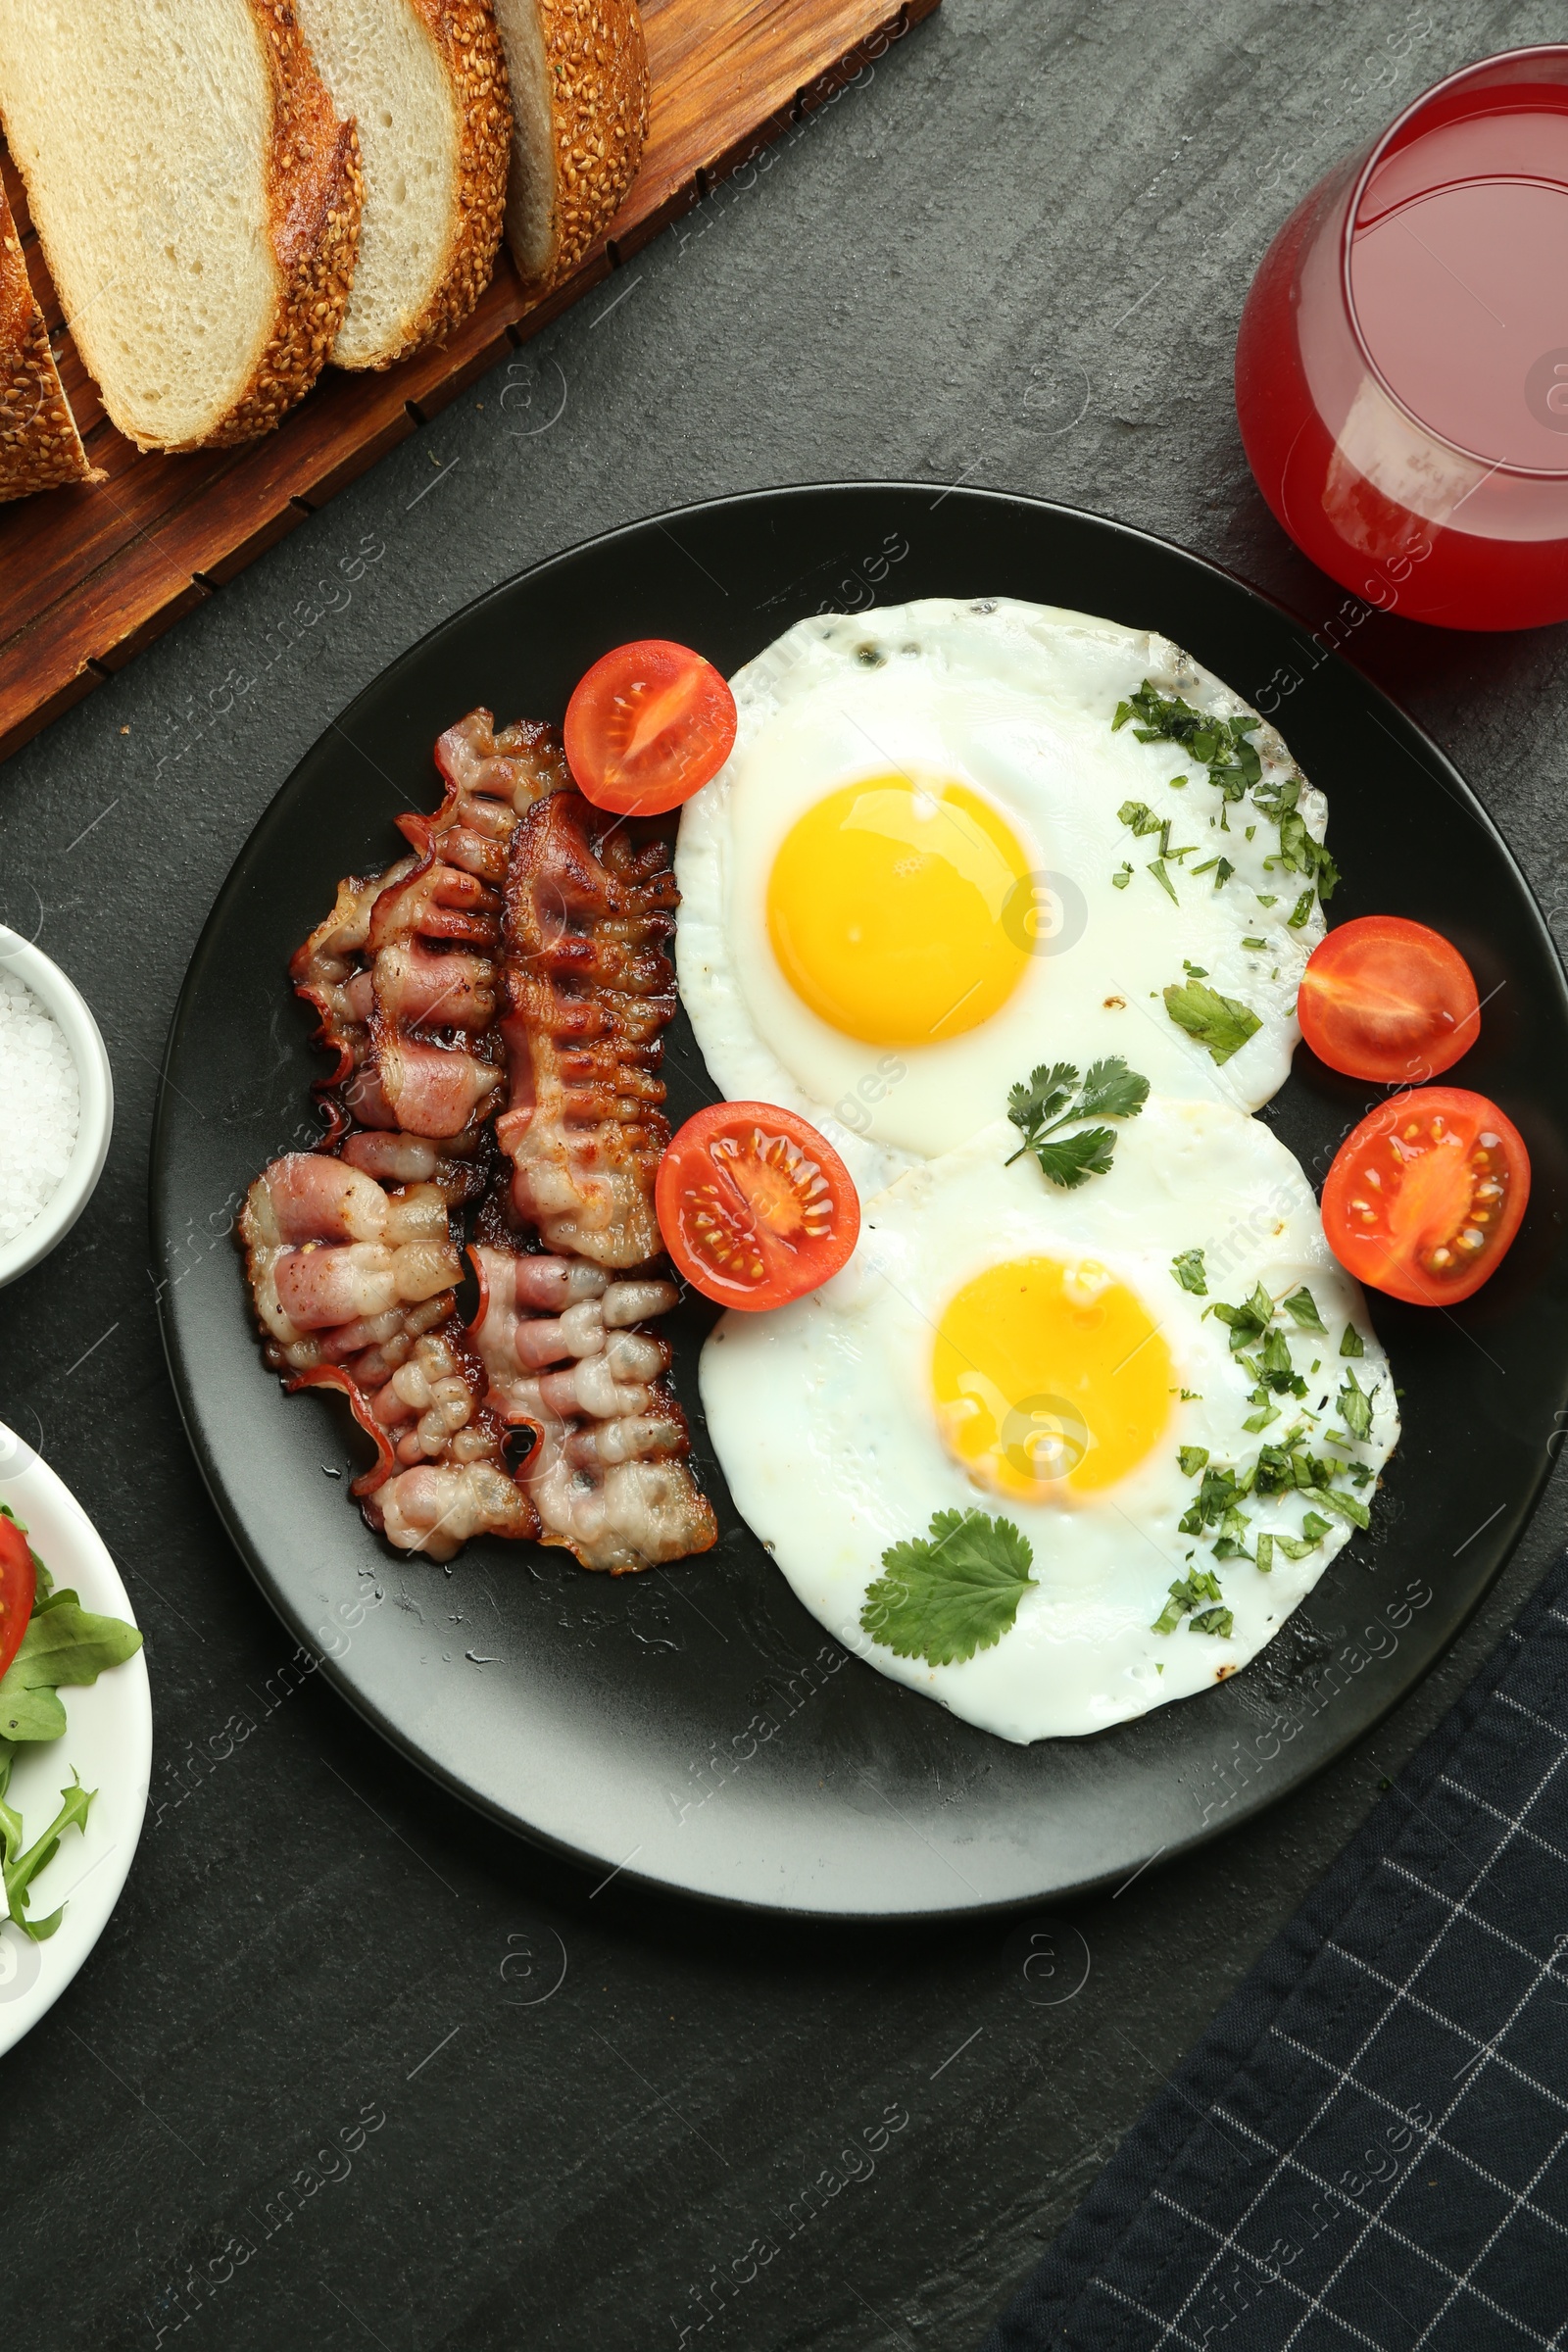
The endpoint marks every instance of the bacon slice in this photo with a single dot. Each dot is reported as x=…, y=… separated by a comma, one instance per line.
x=403, y=971
x=587, y=992
x=607, y=1474
x=521, y=949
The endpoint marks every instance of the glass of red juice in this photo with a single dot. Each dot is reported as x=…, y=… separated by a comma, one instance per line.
x=1402, y=371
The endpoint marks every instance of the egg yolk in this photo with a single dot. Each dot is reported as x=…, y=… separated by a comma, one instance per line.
x=886, y=908
x=1049, y=1376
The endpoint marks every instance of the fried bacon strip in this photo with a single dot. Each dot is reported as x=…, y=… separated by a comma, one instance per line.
x=521, y=947
x=403, y=970
x=354, y=1288
x=564, y=1360
x=587, y=992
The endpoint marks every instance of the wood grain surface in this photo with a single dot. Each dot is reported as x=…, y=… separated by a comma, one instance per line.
x=88, y=575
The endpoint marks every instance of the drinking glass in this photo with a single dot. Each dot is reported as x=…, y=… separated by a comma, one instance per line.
x=1401, y=369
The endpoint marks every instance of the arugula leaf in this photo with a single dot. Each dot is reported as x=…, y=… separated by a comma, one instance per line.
x=19, y=1874
x=66, y=1643
x=1355, y=1408
x=29, y=1714
x=1187, y=1267
x=1351, y=1342
x=952, y=1591
x=1302, y=1308
x=1052, y=1097
x=1221, y=1023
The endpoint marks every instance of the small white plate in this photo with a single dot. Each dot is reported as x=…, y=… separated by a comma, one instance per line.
x=108, y=1741
x=62, y=999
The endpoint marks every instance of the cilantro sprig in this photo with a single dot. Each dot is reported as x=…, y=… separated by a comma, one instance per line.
x=956, y=1590
x=1053, y=1099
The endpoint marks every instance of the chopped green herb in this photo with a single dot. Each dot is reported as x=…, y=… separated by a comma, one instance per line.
x=1157, y=869
x=1254, y=943
x=1193, y=972
x=1351, y=1342
x=1220, y=1023
x=1302, y=1308
x=947, y=1595
x=1263, y=902
x=1220, y=744
x=1355, y=1408
x=1221, y=1623
x=1121, y=877
x=1053, y=1097
x=1261, y=1418
x=1140, y=816
x=1264, y=1559
x=1246, y=1323
x=1302, y=909
x=1192, y=1458
x=1187, y=1267
x=1199, y=1585
x=1343, y=1506
x=1224, y=872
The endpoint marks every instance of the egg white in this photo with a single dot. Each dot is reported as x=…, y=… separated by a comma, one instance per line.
x=823, y=1420
x=1016, y=702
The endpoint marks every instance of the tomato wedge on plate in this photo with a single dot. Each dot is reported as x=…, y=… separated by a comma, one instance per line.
x=1389, y=1000
x=756, y=1207
x=1425, y=1196
x=19, y=1586
x=648, y=726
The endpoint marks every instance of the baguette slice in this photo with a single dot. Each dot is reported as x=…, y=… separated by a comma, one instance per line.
x=197, y=201
x=426, y=86
x=579, y=103
x=40, y=448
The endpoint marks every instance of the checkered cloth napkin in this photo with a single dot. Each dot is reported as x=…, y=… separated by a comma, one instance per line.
x=1370, y=2144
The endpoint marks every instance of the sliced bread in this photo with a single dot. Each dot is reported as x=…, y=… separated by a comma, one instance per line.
x=579, y=103
x=40, y=448
x=197, y=200
x=425, y=84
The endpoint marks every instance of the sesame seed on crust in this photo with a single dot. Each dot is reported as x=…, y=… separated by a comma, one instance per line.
x=40, y=448
x=464, y=33
x=597, y=61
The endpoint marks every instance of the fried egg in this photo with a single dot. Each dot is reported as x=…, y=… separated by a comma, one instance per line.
x=916, y=876
x=1038, y=1355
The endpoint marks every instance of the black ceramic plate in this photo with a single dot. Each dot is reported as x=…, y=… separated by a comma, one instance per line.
x=695, y=1727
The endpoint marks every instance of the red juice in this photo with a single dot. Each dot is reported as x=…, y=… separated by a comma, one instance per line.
x=1402, y=371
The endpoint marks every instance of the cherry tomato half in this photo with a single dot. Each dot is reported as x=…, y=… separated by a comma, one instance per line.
x=19, y=1586
x=755, y=1206
x=1389, y=999
x=1426, y=1195
x=647, y=726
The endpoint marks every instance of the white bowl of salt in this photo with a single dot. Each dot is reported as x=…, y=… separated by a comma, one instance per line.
x=57, y=1105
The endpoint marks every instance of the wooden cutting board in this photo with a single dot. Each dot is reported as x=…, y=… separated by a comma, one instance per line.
x=91, y=575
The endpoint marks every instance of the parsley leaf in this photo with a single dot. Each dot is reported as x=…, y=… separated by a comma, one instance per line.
x=1302, y=1308
x=1187, y=1268
x=1076, y=1157
x=1053, y=1097
x=1200, y=1584
x=1221, y=1023
x=1141, y=818
x=1249, y=1322
x=945, y=1594
x=1192, y=1458
x=1219, y=744
x=1218, y=1622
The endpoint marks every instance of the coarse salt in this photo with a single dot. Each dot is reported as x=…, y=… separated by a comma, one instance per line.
x=40, y=1107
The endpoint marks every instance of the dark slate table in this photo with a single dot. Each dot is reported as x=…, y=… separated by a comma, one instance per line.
x=1014, y=256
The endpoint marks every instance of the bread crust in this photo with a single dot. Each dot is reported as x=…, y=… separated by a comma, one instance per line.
x=466, y=34
x=597, y=63
x=314, y=196
x=40, y=448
